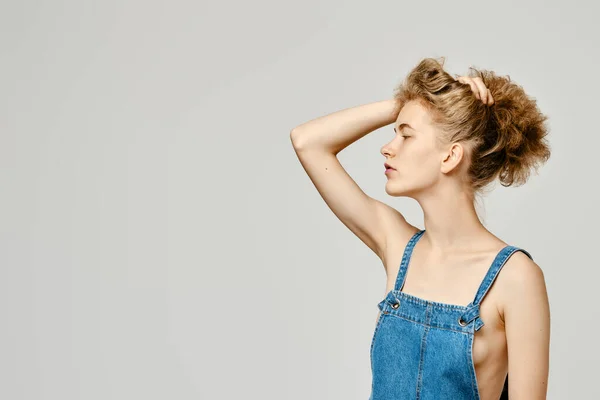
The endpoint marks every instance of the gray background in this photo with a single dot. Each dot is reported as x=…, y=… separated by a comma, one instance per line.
x=160, y=239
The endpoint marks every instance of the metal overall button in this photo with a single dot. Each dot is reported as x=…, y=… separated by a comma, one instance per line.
x=461, y=322
x=396, y=305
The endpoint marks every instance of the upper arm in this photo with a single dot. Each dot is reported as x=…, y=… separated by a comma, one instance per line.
x=369, y=219
x=526, y=313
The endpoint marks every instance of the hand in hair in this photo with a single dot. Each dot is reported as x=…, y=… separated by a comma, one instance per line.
x=479, y=88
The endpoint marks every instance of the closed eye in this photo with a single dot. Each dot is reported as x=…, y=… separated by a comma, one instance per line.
x=404, y=136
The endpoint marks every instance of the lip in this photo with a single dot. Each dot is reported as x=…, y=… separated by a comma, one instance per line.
x=388, y=168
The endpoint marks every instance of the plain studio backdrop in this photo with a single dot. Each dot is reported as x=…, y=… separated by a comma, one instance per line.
x=160, y=239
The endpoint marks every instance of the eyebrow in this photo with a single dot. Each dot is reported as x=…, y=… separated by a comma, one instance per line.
x=404, y=125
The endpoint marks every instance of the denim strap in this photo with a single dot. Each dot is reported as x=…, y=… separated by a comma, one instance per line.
x=406, y=259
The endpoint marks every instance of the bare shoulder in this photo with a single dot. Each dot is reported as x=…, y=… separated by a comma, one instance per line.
x=527, y=326
x=521, y=281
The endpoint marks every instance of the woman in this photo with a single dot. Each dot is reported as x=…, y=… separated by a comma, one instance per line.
x=451, y=326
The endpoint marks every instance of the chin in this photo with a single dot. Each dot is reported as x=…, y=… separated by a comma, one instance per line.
x=395, y=190
x=399, y=189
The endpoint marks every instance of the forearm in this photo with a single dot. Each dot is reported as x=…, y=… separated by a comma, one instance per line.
x=336, y=131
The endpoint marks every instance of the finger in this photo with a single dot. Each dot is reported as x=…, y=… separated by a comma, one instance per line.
x=482, y=88
x=490, y=98
x=469, y=81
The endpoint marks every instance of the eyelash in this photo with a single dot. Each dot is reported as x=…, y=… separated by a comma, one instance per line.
x=404, y=136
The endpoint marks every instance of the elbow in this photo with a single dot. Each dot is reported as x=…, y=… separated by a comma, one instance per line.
x=298, y=139
x=305, y=139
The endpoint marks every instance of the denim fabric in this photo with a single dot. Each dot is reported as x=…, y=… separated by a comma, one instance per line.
x=422, y=349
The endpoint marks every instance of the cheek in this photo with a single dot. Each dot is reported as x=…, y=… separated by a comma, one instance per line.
x=421, y=167
x=420, y=158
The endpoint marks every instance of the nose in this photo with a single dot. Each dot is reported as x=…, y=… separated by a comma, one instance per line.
x=386, y=151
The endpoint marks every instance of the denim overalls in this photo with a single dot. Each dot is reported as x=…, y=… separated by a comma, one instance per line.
x=421, y=349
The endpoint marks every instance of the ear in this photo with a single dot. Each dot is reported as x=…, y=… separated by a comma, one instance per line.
x=452, y=157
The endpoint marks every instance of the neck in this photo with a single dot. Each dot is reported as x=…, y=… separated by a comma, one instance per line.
x=451, y=220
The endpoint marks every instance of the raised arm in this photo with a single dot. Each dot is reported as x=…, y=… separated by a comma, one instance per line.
x=317, y=144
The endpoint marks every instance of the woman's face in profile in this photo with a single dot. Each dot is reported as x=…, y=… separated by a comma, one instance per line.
x=414, y=153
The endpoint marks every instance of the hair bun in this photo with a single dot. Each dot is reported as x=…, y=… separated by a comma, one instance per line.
x=519, y=126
